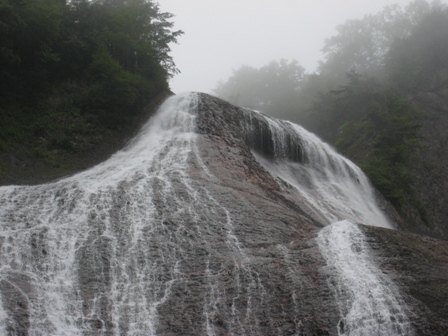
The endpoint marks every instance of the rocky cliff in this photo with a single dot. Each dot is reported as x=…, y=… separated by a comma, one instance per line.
x=215, y=220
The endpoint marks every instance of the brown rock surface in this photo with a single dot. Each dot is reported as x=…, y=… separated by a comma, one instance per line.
x=222, y=249
x=419, y=265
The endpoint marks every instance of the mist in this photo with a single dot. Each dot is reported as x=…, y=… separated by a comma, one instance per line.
x=221, y=36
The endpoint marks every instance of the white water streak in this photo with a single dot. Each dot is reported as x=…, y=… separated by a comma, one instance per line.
x=46, y=229
x=330, y=187
x=369, y=302
x=117, y=237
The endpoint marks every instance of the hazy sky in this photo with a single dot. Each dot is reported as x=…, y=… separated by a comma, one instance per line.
x=222, y=35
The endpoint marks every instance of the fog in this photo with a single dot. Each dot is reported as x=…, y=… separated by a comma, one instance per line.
x=222, y=35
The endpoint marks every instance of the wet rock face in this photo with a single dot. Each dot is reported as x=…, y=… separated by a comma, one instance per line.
x=197, y=239
x=256, y=269
x=419, y=265
x=249, y=178
x=416, y=264
x=15, y=289
x=258, y=134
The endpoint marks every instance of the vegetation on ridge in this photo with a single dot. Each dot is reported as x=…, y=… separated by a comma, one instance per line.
x=360, y=98
x=76, y=73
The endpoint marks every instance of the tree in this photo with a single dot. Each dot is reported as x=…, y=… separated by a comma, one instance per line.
x=102, y=59
x=415, y=63
x=136, y=32
x=273, y=88
x=361, y=45
x=29, y=30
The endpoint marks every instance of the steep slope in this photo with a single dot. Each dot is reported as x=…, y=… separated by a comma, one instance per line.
x=66, y=143
x=194, y=229
x=430, y=169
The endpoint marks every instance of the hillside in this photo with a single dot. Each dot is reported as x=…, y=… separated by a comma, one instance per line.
x=379, y=97
x=430, y=167
x=67, y=144
x=411, y=173
x=79, y=78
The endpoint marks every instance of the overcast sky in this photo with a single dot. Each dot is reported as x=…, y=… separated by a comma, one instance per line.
x=222, y=35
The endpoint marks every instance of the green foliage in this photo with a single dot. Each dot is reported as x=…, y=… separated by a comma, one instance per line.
x=414, y=63
x=113, y=91
x=272, y=88
x=44, y=42
x=362, y=45
x=77, y=72
x=349, y=103
x=29, y=30
x=382, y=137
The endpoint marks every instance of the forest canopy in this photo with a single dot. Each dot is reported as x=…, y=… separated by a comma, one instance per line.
x=90, y=65
x=48, y=42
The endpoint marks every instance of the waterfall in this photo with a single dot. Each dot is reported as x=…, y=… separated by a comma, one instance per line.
x=334, y=191
x=331, y=186
x=78, y=253
x=368, y=300
x=154, y=242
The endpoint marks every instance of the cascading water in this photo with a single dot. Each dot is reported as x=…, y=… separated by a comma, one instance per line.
x=368, y=300
x=333, y=187
x=80, y=253
x=335, y=192
x=152, y=242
